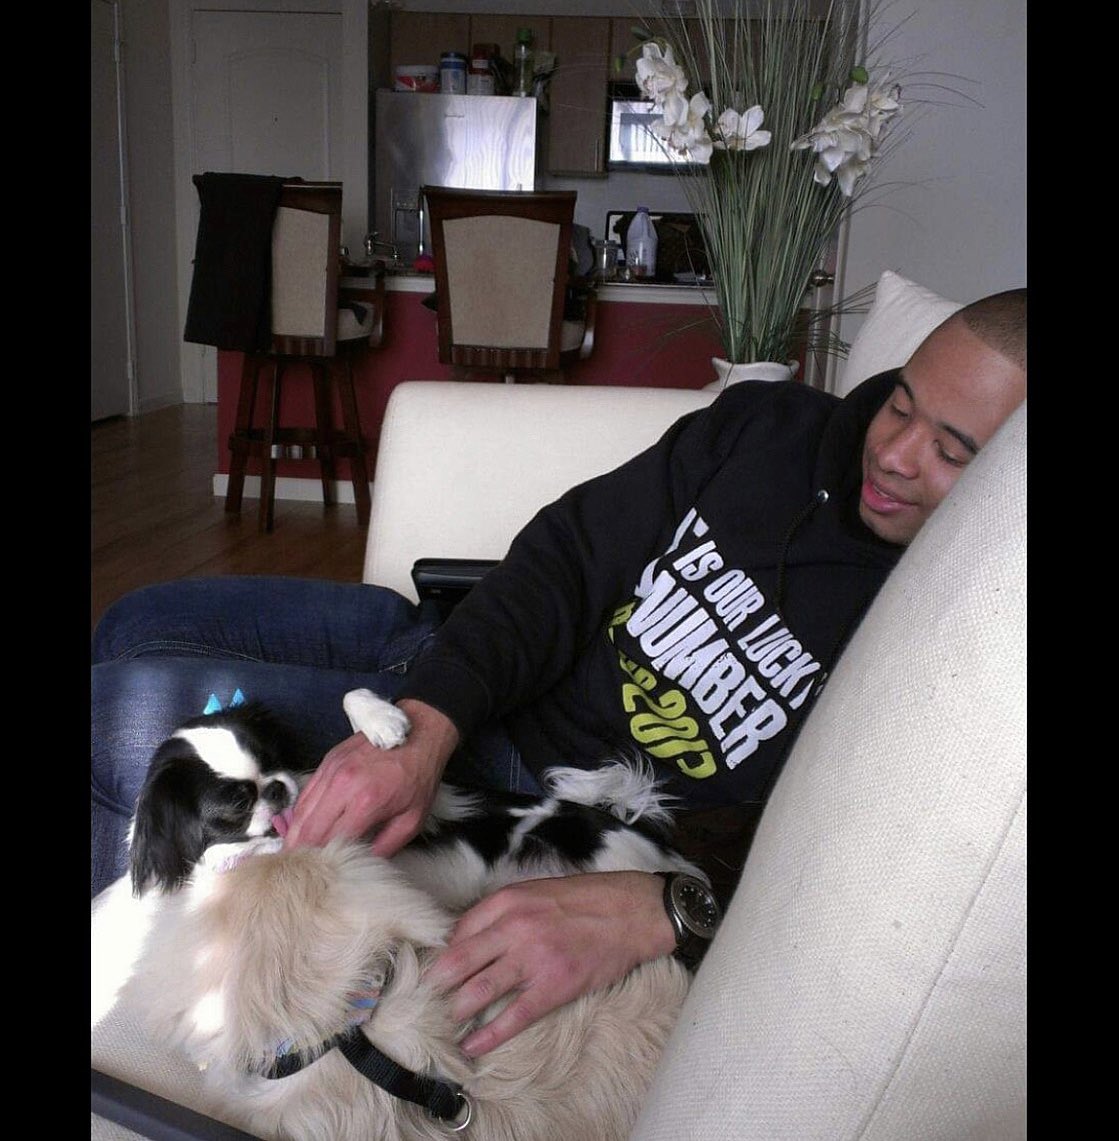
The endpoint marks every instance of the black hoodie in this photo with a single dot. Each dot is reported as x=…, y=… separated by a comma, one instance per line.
x=690, y=602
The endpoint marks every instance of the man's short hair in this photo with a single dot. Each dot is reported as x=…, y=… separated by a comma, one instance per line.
x=1000, y=322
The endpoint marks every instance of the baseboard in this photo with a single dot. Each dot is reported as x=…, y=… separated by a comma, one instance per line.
x=288, y=487
x=158, y=402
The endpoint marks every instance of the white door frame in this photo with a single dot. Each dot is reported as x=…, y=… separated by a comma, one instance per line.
x=121, y=160
x=198, y=362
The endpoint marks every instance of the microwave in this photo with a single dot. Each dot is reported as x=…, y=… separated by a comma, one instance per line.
x=632, y=145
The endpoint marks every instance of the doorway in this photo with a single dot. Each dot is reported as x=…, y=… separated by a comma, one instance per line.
x=264, y=97
x=111, y=369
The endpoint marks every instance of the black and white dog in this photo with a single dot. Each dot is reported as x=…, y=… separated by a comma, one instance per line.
x=294, y=979
x=221, y=779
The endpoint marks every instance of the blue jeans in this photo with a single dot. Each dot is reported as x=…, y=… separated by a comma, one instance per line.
x=297, y=645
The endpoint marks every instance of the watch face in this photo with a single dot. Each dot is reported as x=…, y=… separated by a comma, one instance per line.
x=696, y=905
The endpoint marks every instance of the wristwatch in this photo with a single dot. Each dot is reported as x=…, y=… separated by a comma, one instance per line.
x=694, y=913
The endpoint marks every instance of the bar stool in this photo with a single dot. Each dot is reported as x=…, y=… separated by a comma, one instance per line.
x=316, y=325
x=501, y=277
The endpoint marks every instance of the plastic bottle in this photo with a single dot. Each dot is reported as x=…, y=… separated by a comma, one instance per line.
x=523, y=63
x=452, y=73
x=641, y=245
x=479, y=79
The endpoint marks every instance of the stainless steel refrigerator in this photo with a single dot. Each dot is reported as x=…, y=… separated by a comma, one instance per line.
x=484, y=142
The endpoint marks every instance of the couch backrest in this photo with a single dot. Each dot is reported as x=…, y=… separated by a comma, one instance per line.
x=462, y=466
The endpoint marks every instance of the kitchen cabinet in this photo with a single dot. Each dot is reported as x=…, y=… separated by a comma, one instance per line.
x=422, y=37
x=502, y=30
x=625, y=51
x=576, y=129
x=591, y=53
x=699, y=46
x=586, y=47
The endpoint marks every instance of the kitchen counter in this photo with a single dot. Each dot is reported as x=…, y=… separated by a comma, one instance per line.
x=395, y=282
x=654, y=293
x=645, y=336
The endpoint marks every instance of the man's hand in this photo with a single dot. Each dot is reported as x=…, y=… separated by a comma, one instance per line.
x=359, y=787
x=549, y=941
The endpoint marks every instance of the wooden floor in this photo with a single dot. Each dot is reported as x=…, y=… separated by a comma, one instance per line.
x=155, y=516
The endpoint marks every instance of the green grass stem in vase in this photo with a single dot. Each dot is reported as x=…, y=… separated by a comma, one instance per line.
x=775, y=149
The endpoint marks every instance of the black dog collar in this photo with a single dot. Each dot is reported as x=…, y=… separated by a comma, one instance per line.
x=442, y=1099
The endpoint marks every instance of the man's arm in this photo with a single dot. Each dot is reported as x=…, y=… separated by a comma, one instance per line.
x=520, y=630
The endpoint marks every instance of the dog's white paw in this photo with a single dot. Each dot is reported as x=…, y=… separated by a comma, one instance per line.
x=383, y=723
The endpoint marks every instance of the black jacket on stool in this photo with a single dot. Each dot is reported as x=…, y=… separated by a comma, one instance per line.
x=230, y=302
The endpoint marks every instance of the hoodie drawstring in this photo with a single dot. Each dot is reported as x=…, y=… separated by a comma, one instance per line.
x=826, y=661
x=818, y=500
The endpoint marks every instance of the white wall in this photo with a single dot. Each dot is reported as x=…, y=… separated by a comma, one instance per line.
x=623, y=190
x=146, y=53
x=957, y=222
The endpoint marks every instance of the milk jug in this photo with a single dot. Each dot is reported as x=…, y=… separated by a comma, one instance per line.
x=641, y=245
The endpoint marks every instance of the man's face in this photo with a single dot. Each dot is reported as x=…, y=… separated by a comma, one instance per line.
x=951, y=397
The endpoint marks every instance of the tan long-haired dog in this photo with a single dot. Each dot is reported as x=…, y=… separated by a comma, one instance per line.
x=293, y=960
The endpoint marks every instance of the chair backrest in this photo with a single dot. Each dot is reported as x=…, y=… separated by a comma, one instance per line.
x=306, y=238
x=266, y=265
x=501, y=266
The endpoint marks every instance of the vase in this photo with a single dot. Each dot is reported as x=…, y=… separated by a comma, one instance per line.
x=728, y=373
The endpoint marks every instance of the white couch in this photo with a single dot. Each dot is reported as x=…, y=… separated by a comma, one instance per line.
x=868, y=980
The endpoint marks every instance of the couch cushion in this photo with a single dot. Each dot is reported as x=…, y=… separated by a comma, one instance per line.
x=121, y=1044
x=902, y=316
x=868, y=980
x=462, y=467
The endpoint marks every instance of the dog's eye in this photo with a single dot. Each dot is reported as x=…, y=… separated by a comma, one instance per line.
x=275, y=792
x=239, y=802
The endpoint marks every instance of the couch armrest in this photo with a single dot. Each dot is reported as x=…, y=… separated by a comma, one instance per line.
x=138, y=1112
x=868, y=980
x=447, y=581
x=463, y=466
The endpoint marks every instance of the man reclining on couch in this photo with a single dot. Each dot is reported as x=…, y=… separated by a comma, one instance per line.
x=690, y=604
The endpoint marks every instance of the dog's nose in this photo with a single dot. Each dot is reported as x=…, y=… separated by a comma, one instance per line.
x=276, y=794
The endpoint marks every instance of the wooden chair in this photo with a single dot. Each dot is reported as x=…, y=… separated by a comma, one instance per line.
x=316, y=325
x=501, y=276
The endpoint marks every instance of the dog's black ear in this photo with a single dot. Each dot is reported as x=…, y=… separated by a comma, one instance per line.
x=167, y=837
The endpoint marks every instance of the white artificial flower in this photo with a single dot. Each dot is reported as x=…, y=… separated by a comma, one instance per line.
x=741, y=132
x=682, y=125
x=847, y=174
x=883, y=103
x=658, y=73
x=847, y=137
x=675, y=110
x=686, y=133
